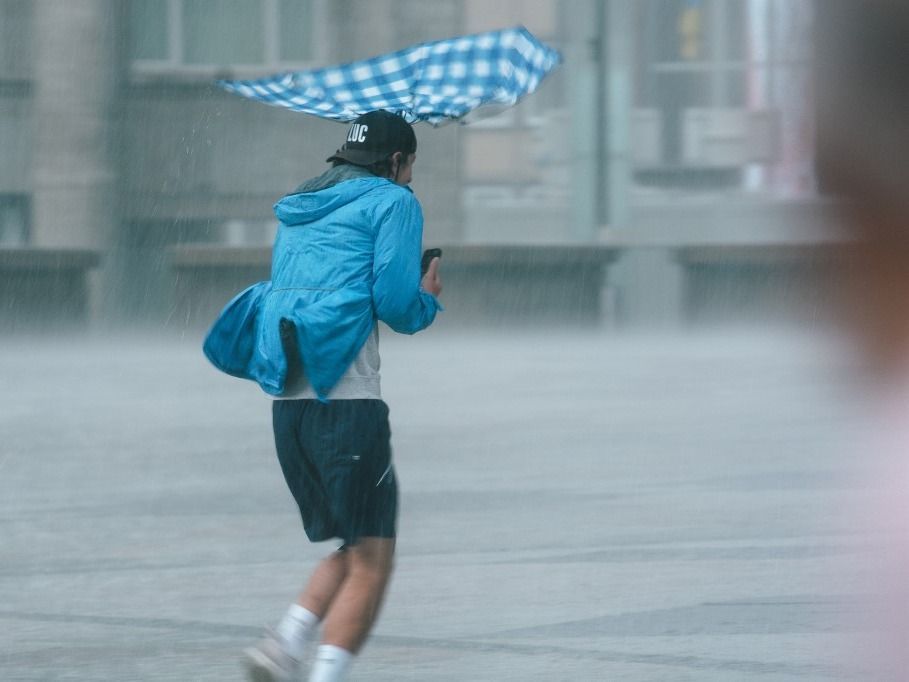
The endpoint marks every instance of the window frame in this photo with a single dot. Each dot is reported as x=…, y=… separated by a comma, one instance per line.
x=23, y=202
x=174, y=63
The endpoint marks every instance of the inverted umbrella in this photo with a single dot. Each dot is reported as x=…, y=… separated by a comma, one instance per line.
x=434, y=82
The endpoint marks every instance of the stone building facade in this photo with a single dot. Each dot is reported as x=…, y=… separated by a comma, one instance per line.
x=117, y=148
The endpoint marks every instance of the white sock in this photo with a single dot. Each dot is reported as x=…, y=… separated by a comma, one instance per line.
x=297, y=628
x=331, y=664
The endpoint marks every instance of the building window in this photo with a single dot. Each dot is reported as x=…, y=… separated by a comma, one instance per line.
x=15, y=39
x=192, y=34
x=693, y=53
x=223, y=32
x=15, y=213
x=148, y=29
x=295, y=39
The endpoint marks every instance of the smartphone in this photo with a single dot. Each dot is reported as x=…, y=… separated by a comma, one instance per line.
x=428, y=255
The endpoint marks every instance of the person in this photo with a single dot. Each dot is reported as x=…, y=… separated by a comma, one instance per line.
x=347, y=255
x=863, y=154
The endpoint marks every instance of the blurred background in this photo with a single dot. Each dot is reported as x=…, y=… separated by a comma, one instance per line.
x=621, y=455
x=662, y=176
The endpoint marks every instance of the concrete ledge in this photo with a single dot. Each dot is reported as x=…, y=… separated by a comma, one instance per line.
x=207, y=256
x=484, y=284
x=17, y=259
x=44, y=289
x=15, y=87
x=495, y=285
x=762, y=281
x=763, y=255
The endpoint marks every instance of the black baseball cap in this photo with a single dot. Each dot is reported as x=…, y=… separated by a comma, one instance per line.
x=374, y=137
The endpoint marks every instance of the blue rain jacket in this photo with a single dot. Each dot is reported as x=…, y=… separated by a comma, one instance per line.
x=344, y=257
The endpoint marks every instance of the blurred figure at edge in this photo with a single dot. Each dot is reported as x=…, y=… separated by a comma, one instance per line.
x=862, y=78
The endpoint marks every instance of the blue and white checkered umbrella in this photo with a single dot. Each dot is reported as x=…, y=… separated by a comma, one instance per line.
x=434, y=82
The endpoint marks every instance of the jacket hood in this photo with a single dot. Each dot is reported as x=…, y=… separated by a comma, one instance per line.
x=328, y=192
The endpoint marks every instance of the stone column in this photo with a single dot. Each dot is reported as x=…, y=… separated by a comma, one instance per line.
x=77, y=66
x=438, y=180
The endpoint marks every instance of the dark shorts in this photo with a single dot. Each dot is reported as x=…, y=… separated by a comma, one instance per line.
x=336, y=459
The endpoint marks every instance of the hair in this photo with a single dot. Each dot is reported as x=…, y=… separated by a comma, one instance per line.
x=382, y=168
x=862, y=96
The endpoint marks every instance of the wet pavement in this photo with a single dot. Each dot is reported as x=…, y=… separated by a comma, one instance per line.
x=574, y=507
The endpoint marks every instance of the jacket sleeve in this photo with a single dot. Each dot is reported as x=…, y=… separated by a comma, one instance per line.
x=397, y=297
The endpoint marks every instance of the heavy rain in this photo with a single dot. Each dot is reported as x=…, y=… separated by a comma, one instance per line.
x=651, y=435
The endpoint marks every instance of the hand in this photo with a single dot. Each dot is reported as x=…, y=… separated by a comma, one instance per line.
x=431, y=281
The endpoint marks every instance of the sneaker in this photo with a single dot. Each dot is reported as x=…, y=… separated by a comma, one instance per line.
x=268, y=660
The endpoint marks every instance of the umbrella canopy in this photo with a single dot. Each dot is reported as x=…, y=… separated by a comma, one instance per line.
x=435, y=82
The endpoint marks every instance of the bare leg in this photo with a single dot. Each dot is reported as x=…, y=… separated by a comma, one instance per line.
x=278, y=655
x=322, y=587
x=356, y=603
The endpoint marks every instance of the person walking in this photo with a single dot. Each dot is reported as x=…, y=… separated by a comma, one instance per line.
x=347, y=255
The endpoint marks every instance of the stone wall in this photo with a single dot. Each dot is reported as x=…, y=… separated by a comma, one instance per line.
x=488, y=286
x=45, y=289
